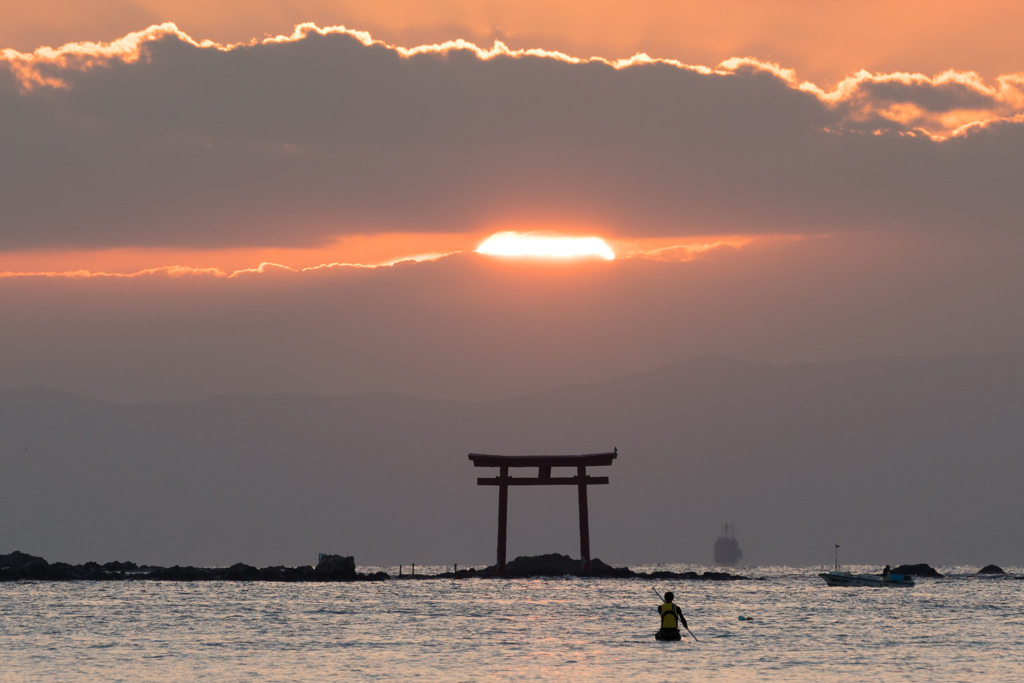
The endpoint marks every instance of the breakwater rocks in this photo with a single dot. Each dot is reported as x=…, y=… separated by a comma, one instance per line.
x=917, y=570
x=554, y=564
x=19, y=566
x=22, y=566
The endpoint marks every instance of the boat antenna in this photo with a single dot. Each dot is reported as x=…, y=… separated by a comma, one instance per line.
x=837, y=557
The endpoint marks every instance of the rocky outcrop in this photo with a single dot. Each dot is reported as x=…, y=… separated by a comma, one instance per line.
x=337, y=568
x=555, y=564
x=22, y=566
x=917, y=570
x=119, y=567
x=19, y=565
x=991, y=569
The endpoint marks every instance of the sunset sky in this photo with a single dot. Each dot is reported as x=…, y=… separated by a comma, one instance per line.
x=204, y=198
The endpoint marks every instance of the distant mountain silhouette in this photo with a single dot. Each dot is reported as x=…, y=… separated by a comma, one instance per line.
x=900, y=460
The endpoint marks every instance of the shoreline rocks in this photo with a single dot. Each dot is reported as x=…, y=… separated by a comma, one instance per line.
x=554, y=564
x=918, y=570
x=25, y=565
x=336, y=568
x=19, y=566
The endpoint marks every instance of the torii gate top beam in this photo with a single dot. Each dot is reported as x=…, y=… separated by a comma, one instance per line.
x=589, y=460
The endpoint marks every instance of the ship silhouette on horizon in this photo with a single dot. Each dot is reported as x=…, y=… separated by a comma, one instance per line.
x=727, y=548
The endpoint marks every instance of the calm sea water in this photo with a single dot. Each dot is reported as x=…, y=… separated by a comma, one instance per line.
x=962, y=628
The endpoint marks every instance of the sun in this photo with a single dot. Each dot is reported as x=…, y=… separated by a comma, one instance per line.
x=542, y=245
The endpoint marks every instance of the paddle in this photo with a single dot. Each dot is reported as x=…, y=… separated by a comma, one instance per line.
x=684, y=625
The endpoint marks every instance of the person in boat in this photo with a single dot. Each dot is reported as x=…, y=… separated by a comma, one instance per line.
x=671, y=618
x=886, y=572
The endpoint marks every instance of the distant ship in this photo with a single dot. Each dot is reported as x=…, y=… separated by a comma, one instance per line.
x=727, y=549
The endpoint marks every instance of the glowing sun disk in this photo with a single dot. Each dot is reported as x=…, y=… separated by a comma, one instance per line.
x=532, y=244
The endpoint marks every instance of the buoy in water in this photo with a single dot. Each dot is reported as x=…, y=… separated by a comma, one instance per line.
x=742, y=618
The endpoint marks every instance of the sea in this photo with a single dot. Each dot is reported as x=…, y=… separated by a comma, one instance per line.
x=963, y=627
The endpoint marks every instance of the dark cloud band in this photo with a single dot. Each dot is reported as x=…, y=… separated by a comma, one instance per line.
x=165, y=142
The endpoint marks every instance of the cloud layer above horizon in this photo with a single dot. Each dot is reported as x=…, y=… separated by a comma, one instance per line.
x=471, y=326
x=158, y=140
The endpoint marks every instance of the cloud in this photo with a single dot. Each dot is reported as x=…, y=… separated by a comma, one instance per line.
x=950, y=104
x=825, y=42
x=470, y=326
x=180, y=270
x=159, y=140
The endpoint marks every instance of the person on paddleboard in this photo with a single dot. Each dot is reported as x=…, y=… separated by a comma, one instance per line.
x=671, y=618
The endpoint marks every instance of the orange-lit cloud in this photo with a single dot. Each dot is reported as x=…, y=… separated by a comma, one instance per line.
x=470, y=326
x=34, y=68
x=825, y=42
x=179, y=271
x=676, y=250
x=947, y=104
x=361, y=252
x=952, y=103
x=354, y=251
x=290, y=143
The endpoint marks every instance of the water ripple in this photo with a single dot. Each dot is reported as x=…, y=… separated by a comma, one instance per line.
x=956, y=629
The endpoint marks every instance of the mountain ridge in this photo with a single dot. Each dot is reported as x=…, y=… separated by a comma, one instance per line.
x=897, y=459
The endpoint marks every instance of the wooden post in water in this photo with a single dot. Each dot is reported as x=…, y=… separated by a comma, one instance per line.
x=584, y=520
x=543, y=463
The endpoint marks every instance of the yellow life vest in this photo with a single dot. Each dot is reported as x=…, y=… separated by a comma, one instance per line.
x=668, y=615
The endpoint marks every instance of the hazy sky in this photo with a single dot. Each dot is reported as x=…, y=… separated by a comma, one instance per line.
x=202, y=198
x=798, y=456
x=774, y=184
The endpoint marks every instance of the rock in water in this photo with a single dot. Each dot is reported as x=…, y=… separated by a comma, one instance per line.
x=991, y=569
x=552, y=564
x=337, y=567
x=241, y=572
x=17, y=559
x=120, y=567
x=917, y=570
x=19, y=565
x=555, y=564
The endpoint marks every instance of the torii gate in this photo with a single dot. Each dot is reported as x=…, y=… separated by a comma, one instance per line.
x=543, y=463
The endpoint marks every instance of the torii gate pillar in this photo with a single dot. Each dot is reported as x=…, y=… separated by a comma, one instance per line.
x=543, y=463
x=584, y=520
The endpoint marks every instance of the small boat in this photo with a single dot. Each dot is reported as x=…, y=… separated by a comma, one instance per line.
x=838, y=578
